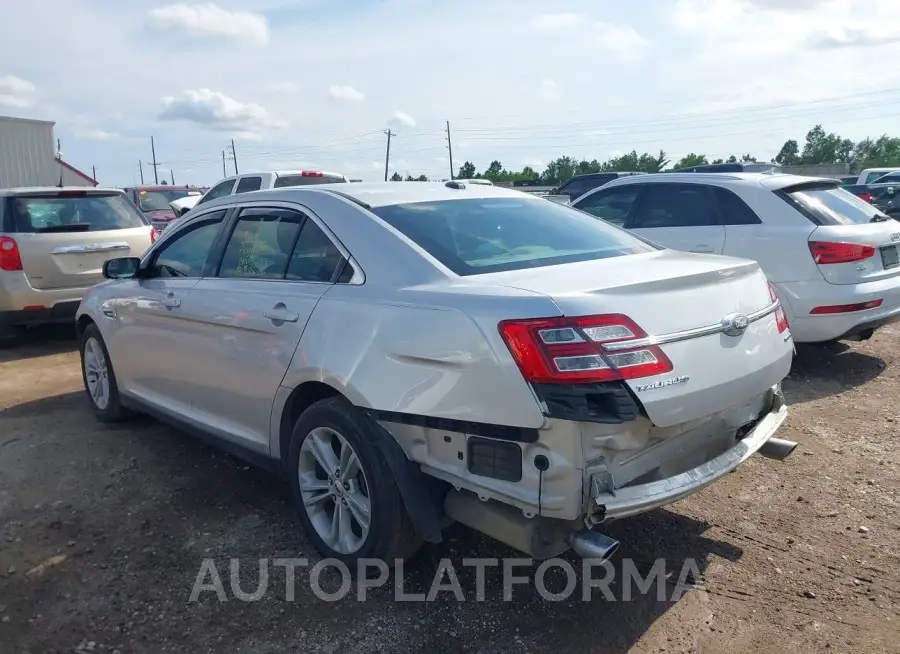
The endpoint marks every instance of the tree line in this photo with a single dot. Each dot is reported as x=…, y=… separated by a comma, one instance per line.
x=820, y=147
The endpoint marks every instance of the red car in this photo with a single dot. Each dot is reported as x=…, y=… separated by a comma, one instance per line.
x=153, y=201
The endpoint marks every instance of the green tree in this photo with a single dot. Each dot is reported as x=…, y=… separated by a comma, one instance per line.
x=467, y=171
x=528, y=173
x=396, y=177
x=822, y=147
x=691, y=160
x=422, y=178
x=789, y=155
x=495, y=171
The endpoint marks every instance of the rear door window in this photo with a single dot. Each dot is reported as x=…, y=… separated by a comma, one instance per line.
x=261, y=243
x=733, y=210
x=612, y=205
x=248, y=184
x=871, y=177
x=674, y=205
x=832, y=205
x=574, y=188
x=74, y=211
x=472, y=236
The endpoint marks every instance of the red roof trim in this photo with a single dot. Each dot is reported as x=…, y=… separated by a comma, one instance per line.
x=76, y=171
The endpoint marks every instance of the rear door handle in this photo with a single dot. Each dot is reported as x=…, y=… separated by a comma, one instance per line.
x=702, y=248
x=171, y=301
x=279, y=313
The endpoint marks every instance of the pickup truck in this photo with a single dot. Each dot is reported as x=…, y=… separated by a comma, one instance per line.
x=260, y=181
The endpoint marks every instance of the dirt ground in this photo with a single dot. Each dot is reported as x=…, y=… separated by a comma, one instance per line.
x=103, y=532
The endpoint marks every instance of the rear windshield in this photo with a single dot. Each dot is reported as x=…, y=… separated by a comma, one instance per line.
x=74, y=213
x=833, y=206
x=473, y=236
x=309, y=180
x=159, y=200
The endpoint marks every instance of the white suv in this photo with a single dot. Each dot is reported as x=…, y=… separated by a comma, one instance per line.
x=832, y=257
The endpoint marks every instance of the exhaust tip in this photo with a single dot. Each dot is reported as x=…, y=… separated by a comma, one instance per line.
x=777, y=448
x=593, y=545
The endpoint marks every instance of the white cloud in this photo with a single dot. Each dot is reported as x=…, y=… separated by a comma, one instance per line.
x=339, y=92
x=401, y=119
x=858, y=35
x=209, y=19
x=623, y=41
x=218, y=111
x=95, y=135
x=16, y=92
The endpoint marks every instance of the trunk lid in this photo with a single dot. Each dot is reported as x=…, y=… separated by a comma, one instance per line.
x=65, y=236
x=668, y=292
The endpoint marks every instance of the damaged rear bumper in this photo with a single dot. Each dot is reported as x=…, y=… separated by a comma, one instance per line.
x=633, y=500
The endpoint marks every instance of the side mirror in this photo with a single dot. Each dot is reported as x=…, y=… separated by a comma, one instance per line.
x=121, y=268
x=183, y=211
x=890, y=190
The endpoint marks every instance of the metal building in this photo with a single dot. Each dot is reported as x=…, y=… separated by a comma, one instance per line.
x=28, y=156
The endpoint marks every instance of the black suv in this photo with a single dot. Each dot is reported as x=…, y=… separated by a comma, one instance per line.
x=578, y=185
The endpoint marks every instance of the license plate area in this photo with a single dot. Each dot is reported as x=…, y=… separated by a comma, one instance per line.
x=890, y=257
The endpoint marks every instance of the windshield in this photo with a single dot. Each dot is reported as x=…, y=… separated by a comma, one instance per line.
x=835, y=206
x=473, y=236
x=75, y=212
x=308, y=180
x=159, y=200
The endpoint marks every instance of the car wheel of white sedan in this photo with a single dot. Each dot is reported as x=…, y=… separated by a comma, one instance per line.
x=99, y=378
x=347, y=498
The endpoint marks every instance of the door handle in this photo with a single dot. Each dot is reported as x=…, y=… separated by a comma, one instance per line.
x=702, y=248
x=171, y=302
x=279, y=313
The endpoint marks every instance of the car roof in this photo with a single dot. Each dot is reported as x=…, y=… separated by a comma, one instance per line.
x=773, y=181
x=379, y=194
x=162, y=187
x=32, y=190
x=887, y=169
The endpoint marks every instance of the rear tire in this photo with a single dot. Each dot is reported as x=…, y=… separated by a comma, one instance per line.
x=99, y=378
x=344, y=490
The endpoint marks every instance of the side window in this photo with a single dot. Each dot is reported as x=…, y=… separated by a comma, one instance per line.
x=612, y=205
x=187, y=252
x=218, y=191
x=315, y=258
x=734, y=211
x=574, y=188
x=675, y=205
x=261, y=244
x=248, y=184
x=871, y=177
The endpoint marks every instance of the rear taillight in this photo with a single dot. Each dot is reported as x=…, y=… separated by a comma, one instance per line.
x=827, y=252
x=10, y=259
x=780, y=317
x=866, y=196
x=154, y=234
x=582, y=349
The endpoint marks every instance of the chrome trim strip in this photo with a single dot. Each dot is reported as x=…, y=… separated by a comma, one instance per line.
x=687, y=334
x=90, y=247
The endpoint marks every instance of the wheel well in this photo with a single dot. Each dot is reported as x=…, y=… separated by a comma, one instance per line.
x=301, y=398
x=82, y=324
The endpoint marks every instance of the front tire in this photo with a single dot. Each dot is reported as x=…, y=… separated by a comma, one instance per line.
x=99, y=378
x=343, y=488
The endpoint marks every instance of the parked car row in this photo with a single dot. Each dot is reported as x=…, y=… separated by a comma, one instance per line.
x=405, y=354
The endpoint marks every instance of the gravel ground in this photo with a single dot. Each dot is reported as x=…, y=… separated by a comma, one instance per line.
x=103, y=532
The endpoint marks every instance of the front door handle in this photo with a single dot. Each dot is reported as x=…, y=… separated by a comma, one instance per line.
x=171, y=302
x=702, y=248
x=279, y=313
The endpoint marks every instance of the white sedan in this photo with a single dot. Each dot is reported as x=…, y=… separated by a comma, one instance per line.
x=406, y=353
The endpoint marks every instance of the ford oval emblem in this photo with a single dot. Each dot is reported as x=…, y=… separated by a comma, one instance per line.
x=735, y=324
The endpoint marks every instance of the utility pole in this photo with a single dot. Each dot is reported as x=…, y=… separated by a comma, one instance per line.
x=172, y=173
x=154, y=164
x=387, y=156
x=450, y=148
x=94, y=172
x=224, y=170
x=141, y=168
x=234, y=156
x=59, y=156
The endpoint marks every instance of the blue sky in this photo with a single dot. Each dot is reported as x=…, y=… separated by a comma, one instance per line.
x=313, y=83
